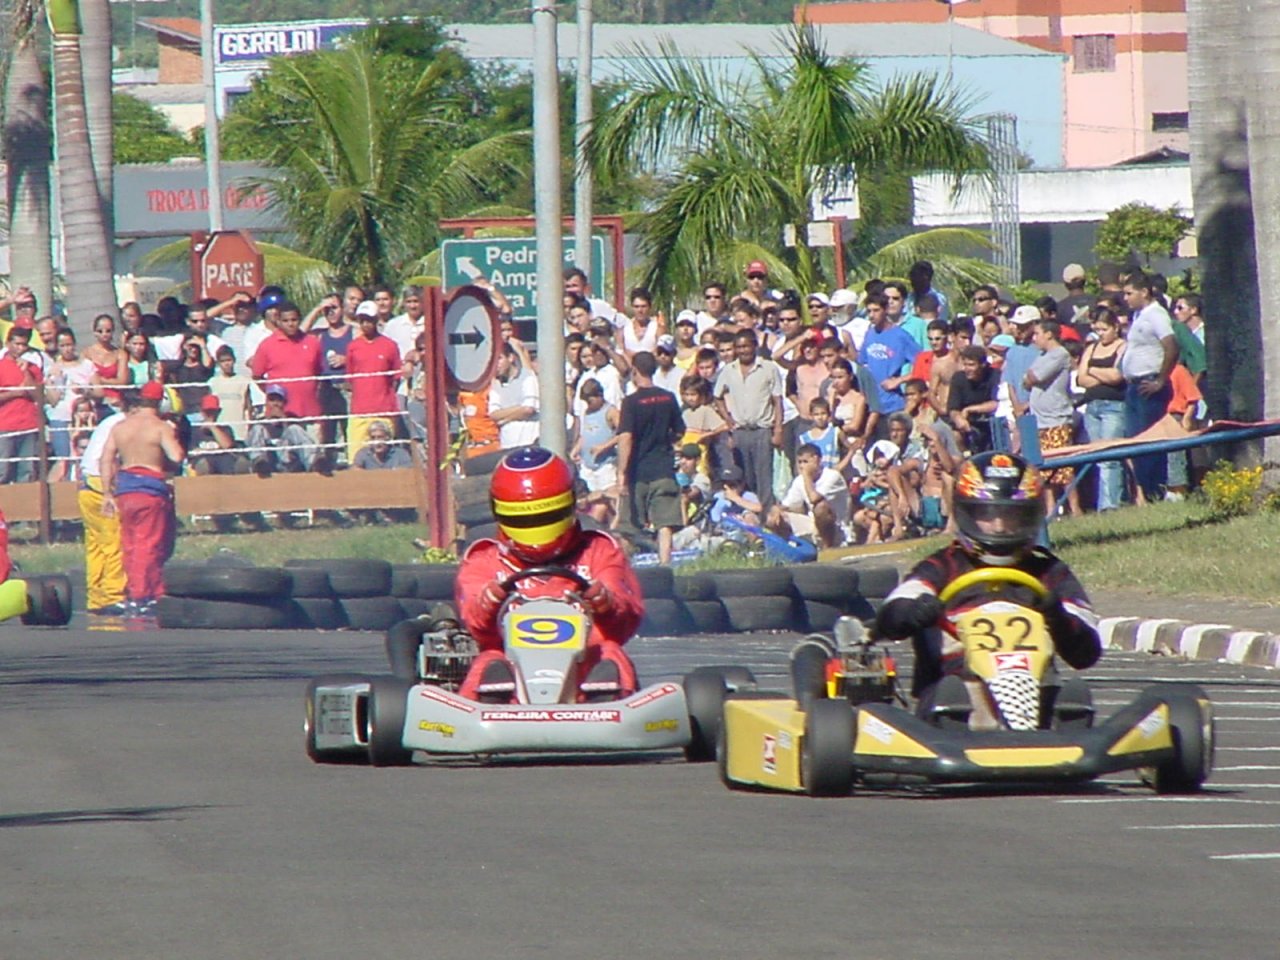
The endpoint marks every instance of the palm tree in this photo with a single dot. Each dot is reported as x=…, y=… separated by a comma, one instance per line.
x=95, y=59
x=28, y=154
x=740, y=160
x=372, y=154
x=86, y=246
x=1218, y=76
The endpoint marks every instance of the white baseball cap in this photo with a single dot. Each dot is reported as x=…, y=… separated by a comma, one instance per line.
x=1025, y=314
x=367, y=308
x=844, y=298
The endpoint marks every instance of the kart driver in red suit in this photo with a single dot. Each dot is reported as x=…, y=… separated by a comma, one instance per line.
x=532, y=497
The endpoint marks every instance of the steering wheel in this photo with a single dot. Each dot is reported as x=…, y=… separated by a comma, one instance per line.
x=993, y=577
x=546, y=570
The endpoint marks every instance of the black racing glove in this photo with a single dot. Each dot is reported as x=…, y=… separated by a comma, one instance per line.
x=908, y=616
x=926, y=612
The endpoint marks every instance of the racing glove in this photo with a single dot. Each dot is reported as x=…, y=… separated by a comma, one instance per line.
x=908, y=616
x=600, y=599
x=490, y=599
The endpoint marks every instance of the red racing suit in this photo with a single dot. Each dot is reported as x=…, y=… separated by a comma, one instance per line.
x=596, y=557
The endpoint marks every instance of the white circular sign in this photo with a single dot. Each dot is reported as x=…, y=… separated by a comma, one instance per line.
x=471, y=338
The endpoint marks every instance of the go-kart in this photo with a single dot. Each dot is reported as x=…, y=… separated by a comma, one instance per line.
x=383, y=720
x=1006, y=717
x=37, y=600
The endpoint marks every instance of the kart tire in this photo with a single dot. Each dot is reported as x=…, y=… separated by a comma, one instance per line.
x=749, y=614
x=371, y=613
x=474, y=514
x=826, y=583
x=664, y=618
x=352, y=577
x=1192, y=728
x=310, y=582
x=809, y=672
x=826, y=755
x=822, y=616
x=656, y=583
x=436, y=581
x=704, y=692
x=694, y=586
x=401, y=643
x=226, y=583
x=706, y=616
x=413, y=607
x=194, y=613
x=404, y=580
x=877, y=581
x=385, y=716
x=736, y=677
x=318, y=613
x=357, y=755
x=49, y=599
x=754, y=584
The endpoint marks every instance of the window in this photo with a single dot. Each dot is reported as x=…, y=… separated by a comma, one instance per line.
x=1165, y=122
x=1093, y=54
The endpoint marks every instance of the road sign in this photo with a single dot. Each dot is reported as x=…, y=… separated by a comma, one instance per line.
x=511, y=265
x=223, y=264
x=471, y=338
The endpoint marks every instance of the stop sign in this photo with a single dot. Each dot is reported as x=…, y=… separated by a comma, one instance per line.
x=223, y=264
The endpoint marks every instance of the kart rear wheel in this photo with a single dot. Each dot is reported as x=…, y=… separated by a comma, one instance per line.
x=384, y=717
x=735, y=676
x=809, y=671
x=704, y=691
x=826, y=755
x=1193, y=742
x=316, y=754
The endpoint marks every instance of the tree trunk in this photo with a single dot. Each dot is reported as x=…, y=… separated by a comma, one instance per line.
x=86, y=251
x=1217, y=65
x=95, y=61
x=28, y=152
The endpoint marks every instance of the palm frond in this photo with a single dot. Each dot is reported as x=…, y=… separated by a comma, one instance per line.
x=950, y=250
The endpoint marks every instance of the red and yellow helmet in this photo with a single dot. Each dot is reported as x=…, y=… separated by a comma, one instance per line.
x=531, y=494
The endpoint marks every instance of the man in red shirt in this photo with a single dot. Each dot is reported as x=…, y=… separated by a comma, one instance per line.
x=288, y=356
x=373, y=366
x=19, y=418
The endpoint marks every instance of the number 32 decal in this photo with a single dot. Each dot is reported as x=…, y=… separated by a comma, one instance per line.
x=982, y=633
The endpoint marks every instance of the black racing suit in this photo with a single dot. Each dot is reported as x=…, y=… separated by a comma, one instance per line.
x=1068, y=615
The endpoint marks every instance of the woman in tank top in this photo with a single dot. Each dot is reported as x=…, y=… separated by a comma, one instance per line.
x=111, y=365
x=1104, y=387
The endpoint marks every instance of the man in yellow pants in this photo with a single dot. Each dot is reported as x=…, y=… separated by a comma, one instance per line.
x=104, y=566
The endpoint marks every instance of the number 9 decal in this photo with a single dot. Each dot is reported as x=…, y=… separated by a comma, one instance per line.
x=540, y=631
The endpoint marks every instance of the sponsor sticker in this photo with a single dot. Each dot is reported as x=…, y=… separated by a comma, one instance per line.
x=784, y=741
x=658, y=726
x=1012, y=661
x=445, y=730
x=1152, y=723
x=551, y=716
x=333, y=715
x=439, y=696
x=770, y=755
x=876, y=728
x=657, y=693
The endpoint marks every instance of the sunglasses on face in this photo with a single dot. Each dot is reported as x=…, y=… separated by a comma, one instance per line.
x=756, y=276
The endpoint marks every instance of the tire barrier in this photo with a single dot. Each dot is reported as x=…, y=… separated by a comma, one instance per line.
x=359, y=594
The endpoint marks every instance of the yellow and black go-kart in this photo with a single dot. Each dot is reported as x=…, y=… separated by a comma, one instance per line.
x=41, y=600
x=1005, y=718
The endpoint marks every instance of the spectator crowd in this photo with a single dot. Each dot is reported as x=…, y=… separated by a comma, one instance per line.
x=824, y=420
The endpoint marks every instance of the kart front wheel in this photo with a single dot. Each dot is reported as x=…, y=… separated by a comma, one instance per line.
x=826, y=755
x=1191, y=720
x=704, y=691
x=384, y=719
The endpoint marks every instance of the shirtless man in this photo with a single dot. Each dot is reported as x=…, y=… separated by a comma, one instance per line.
x=148, y=450
x=946, y=367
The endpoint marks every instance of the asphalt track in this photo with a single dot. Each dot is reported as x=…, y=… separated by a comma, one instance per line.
x=157, y=803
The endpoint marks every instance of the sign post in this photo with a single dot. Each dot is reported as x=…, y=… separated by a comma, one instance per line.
x=223, y=264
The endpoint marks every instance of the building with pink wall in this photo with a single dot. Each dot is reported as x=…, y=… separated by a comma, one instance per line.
x=1124, y=80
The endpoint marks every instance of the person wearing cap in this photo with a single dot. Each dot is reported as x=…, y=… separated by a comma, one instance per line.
x=668, y=375
x=294, y=357
x=756, y=291
x=378, y=452
x=213, y=445
x=748, y=395
x=278, y=443
x=819, y=305
x=140, y=455
x=374, y=367
x=734, y=500
x=103, y=562
x=851, y=324
x=686, y=336
x=1017, y=361
x=20, y=381
x=1074, y=308
x=649, y=427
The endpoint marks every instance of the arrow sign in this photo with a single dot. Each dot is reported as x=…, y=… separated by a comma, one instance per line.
x=472, y=339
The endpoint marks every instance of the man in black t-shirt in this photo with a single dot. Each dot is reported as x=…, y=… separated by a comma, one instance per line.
x=649, y=428
x=972, y=399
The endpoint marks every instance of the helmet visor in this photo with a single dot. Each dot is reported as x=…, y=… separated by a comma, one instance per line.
x=1000, y=524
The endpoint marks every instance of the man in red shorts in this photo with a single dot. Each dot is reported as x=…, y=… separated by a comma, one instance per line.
x=532, y=497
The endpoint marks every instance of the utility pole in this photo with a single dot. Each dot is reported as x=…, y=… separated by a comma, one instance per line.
x=547, y=214
x=212, y=150
x=584, y=182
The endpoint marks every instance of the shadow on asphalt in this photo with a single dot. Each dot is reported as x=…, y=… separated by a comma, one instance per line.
x=58, y=818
